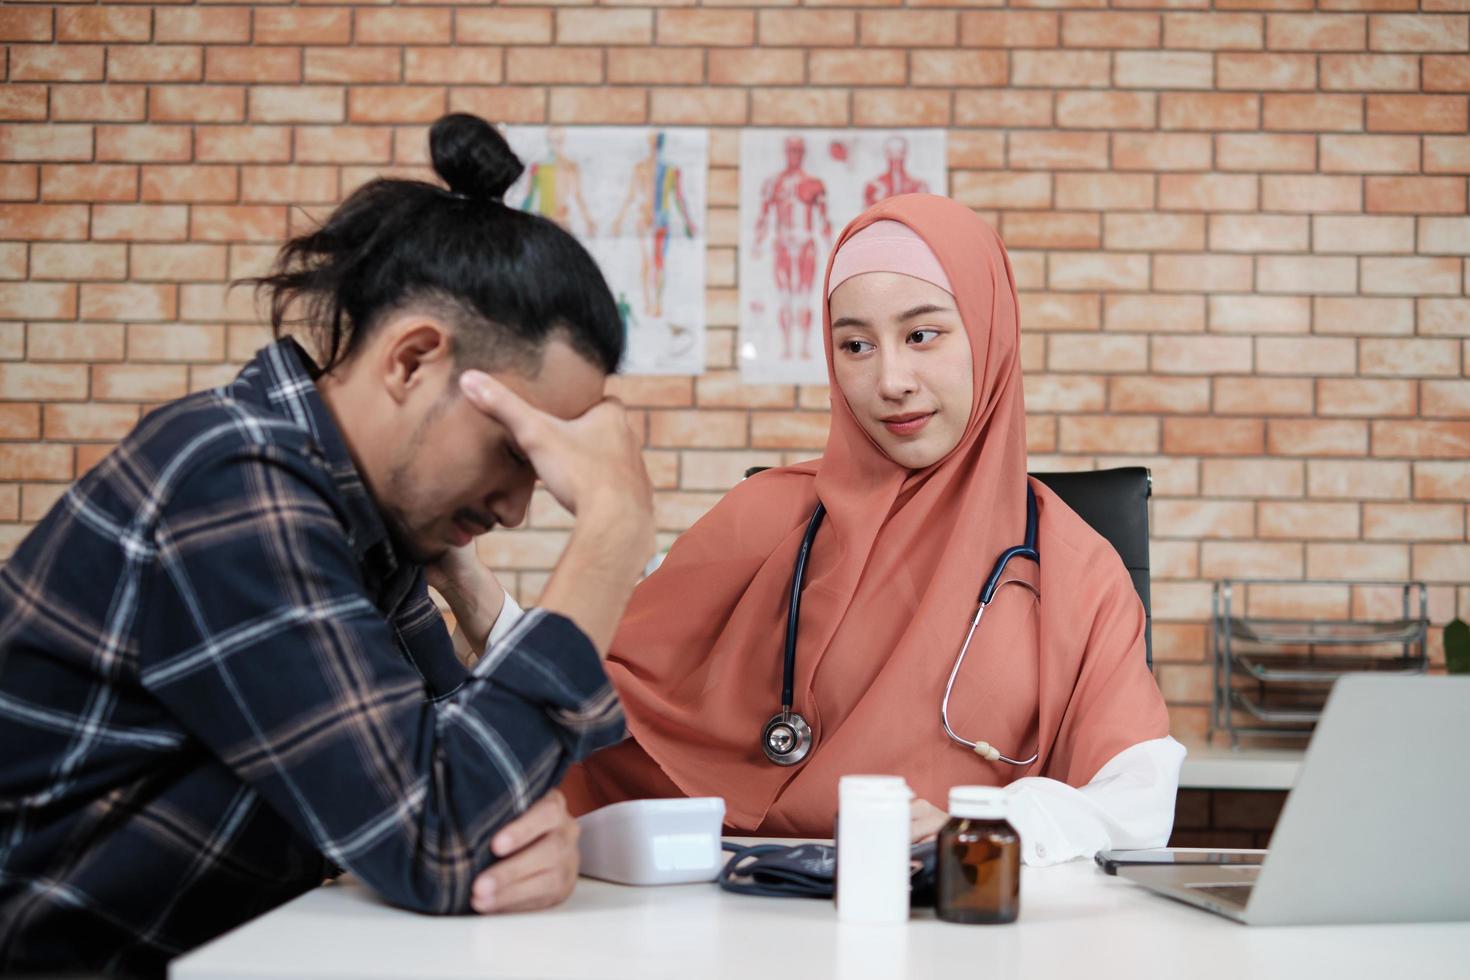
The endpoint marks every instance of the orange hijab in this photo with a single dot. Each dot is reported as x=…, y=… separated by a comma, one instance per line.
x=891, y=586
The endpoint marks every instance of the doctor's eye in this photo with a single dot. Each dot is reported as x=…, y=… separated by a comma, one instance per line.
x=856, y=346
x=923, y=336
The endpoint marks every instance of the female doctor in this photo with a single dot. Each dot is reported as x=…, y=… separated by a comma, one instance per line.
x=924, y=486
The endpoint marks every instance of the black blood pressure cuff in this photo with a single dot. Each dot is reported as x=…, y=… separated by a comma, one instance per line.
x=810, y=871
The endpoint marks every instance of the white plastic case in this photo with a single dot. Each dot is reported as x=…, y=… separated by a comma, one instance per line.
x=654, y=842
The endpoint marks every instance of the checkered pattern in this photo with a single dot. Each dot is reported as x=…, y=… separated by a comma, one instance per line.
x=218, y=685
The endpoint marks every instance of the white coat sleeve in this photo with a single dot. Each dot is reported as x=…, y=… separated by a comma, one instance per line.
x=1129, y=804
x=510, y=614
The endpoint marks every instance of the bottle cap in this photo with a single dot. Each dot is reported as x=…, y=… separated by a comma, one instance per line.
x=978, y=802
x=874, y=788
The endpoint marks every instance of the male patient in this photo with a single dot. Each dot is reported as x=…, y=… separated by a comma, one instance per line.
x=222, y=678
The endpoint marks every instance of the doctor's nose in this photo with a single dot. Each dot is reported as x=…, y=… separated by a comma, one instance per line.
x=896, y=379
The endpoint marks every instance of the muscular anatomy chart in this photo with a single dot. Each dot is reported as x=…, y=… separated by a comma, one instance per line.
x=797, y=190
x=636, y=198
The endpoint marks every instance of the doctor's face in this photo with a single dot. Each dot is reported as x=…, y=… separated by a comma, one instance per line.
x=901, y=357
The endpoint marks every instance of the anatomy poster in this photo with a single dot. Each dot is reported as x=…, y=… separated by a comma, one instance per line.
x=636, y=199
x=798, y=189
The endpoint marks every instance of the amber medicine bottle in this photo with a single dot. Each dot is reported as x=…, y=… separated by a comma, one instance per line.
x=979, y=859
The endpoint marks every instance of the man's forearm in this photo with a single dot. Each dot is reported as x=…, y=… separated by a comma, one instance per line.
x=476, y=605
x=596, y=574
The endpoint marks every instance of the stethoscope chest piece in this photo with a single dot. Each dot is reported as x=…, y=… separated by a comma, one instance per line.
x=786, y=739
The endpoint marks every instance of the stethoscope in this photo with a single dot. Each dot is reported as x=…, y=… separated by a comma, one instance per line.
x=787, y=738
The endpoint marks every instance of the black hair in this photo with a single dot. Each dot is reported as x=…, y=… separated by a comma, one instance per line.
x=505, y=280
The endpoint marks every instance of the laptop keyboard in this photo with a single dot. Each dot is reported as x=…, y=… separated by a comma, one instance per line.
x=1231, y=892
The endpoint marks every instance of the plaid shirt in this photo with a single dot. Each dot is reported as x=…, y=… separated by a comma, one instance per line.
x=218, y=685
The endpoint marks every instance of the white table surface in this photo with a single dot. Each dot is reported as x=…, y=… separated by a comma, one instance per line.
x=1076, y=922
x=1217, y=766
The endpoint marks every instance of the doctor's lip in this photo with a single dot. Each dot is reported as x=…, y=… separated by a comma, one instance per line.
x=907, y=423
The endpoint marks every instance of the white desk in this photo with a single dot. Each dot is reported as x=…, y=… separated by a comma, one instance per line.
x=1217, y=766
x=1075, y=922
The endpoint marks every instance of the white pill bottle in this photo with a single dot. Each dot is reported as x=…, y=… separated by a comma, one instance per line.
x=873, y=849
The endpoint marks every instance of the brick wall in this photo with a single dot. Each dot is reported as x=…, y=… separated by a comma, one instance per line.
x=1240, y=230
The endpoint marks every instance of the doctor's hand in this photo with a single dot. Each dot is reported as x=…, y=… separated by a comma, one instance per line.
x=538, y=861
x=925, y=819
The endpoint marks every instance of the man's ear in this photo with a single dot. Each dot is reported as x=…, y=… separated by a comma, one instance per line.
x=415, y=347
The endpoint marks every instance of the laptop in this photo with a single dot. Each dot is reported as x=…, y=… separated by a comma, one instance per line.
x=1376, y=828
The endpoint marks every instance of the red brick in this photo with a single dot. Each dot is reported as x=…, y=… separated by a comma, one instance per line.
x=27, y=24
x=698, y=106
x=1316, y=32
x=606, y=27
x=1060, y=69
x=139, y=382
x=402, y=104
x=970, y=149
x=403, y=26
x=1009, y=29
x=243, y=144
x=1154, y=232
x=22, y=142
x=19, y=181
x=1154, y=395
x=1058, y=151
x=1262, y=152
x=1089, y=270
x=155, y=63
x=706, y=28
x=1440, y=481
x=1418, y=34
x=56, y=63
x=1370, y=154
x=1444, y=236
x=1311, y=193
x=1051, y=229
x=500, y=25
x=1411, y=276
x=1363, y=315
x=197, y=103
x=1213, y=110
x=298, y=25
x=1107, y=353
x=100, y=24
x=90, y=421
x=1213, y=31
x=1242, y=559
x=253, y=64
x=1201, y=355
x=1065, y=393
x=1213, y=437
x=603, y=106
x=1441, y=562
x=297, y=104
x=1361, y=397
x=1209, y=273
x=1161, y=151
x=202, y=25
x=175, y=342
x=1314, y=113
x=1107, y=110
x=1316, y=520
x=1446, y=399
x=957, y=68
x=1107, y=434
x=139, y=222
x=49, y=382
x=79, y=261
x=1196, y=519
x=1104, y=192
x=89, y=182
x=1317, y=437
x=1417, y=113
x=1259, y=233
x=289, y=185
x=1446, y=73
x=1060, y=311
x=171, y=263
x=1010, y=109
x=99, y=103
x=189, y=184
x=908, y=28
x=37, y=301
x=257, y=223
x=1370, y=73
x=1272, y=72
x=799, y=107
x=1414, y=522
x=1110, y=30
x=1358, y=479
x=1164, y=69
x=452, y=65
x=1382, y=562
x=43, y=222
x=1207, y=192
x=22, y=103
x=1306, y=274
x=900, y=107
x=788, y=430
x=19, y=421
x=570, y=66
x=143, y=143
x=1419, y=357
x=38, y=462
x=1446, y=154
x=128, y=301
x=1263, y=396
x=1416, y=195
x=1355, y=235
x=1251, y=478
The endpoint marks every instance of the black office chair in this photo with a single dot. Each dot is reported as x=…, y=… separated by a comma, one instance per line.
x=1115, y=504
